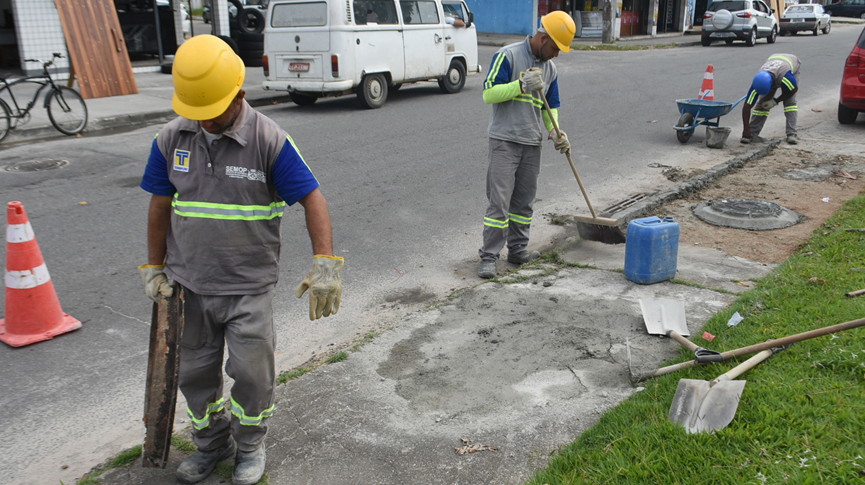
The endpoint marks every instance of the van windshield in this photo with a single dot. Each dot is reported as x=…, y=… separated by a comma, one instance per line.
x=312, y=14
x=375, y=11
x=731, y=6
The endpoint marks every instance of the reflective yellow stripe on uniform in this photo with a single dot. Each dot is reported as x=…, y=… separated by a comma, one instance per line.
x=229, y=212
x=245, y=420
x=760, y=113
x=530, y=98
x=788, y=109
x=752, y=97
x=205, y=421
x=488, y=221
x=784, y=58
x=520, y=219
x=787, y=83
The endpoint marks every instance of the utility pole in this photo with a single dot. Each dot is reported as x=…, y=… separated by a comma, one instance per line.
x=609, y=15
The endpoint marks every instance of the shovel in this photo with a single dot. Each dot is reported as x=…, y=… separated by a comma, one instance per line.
x=667, y=317
x=702, y=406
x=756, y=348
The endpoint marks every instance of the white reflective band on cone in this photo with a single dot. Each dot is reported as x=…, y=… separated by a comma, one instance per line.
x=19, y=233
x=22, y=280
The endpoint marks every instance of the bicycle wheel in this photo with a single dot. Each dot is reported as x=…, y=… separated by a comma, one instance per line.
x=5, y=119
x=67, y=111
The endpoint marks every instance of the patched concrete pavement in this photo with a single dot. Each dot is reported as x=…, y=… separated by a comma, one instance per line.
x=522, y=367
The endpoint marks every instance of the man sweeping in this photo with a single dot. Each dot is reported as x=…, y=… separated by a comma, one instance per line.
x=779, y=71
x=517, y=74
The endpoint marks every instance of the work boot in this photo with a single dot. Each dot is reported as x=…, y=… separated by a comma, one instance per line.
x=753, y=139
x=198, y=466
x=792, y=140
x=487, y=269
x=249, y=466
x=522, y=256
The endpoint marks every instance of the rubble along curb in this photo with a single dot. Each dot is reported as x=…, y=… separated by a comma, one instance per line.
x=645, y=207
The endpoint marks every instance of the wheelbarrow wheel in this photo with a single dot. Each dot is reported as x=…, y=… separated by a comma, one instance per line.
x=686, y=120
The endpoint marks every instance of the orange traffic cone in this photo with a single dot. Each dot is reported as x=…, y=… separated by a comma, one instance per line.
x=33, y=312
x=708, y=87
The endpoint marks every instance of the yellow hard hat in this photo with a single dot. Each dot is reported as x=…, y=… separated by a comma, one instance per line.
x=207, y=75
x=560, y=27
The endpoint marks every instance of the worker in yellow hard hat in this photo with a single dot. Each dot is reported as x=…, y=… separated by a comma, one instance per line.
x=221, y=175
x=519, y=75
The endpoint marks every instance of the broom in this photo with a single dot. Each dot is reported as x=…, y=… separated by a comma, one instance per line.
x=590, y=228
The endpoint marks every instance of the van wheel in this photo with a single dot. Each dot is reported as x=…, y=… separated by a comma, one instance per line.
x=372, y=91
x=302, y=99
x=454, y=79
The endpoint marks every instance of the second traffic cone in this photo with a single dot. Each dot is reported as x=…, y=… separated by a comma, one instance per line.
x=33, y=312
x=708, y=87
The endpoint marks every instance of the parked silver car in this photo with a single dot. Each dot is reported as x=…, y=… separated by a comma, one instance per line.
x=807, y=17
x=747, y=20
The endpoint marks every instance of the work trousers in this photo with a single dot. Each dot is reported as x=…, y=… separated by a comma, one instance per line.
x=759, y=115
x=245, y=324
x=512, y=183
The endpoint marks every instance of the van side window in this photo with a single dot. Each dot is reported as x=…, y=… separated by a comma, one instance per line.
x=375, y=11
x=419, y=12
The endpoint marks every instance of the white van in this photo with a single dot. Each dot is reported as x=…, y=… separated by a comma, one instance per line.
x=320, y=48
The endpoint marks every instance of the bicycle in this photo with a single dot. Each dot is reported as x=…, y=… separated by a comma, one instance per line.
x=66, y=108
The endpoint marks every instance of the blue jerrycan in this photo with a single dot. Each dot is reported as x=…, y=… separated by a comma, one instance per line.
x=651, y=250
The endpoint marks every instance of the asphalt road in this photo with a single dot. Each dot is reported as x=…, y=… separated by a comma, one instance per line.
x=405, y=185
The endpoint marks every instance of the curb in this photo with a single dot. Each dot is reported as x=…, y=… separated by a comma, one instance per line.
x=121, y=121
x=644, y=207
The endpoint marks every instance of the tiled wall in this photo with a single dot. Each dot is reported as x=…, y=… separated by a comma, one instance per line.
x=40, y=33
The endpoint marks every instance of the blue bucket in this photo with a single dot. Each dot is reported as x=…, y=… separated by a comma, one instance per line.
x=651, y=250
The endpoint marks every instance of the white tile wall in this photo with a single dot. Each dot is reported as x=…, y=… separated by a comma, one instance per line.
x=40, y=33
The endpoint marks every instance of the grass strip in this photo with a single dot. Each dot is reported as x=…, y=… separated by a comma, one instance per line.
x=802, y=414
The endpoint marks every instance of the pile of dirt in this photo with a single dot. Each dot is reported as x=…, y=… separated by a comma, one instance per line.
x=812, y=183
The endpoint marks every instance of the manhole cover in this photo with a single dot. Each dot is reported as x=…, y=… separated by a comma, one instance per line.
x=36, y=165
x=750, y=214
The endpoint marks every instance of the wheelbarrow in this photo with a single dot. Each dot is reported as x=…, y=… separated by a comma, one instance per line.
x=697, y=111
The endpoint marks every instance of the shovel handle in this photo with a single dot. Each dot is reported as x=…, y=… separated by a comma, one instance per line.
x=682, y=340
x=568, y=154
x=742, y=368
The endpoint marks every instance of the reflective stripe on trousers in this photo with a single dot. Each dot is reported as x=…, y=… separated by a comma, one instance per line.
x=759, y=117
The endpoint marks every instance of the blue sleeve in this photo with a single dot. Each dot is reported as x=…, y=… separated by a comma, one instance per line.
x=291, y=176
x=752, y=97
x=553, y=94
x=788, y=82
x=500, y=71
x=155, y=178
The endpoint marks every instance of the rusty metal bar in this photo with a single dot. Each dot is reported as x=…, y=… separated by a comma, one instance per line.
x=163, y=364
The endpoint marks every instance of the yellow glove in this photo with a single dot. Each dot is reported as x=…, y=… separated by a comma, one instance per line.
x=325, y=286
x=155, y=281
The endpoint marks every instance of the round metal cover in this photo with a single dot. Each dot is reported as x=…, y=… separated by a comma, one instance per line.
x=750, y=214
x=36, y=165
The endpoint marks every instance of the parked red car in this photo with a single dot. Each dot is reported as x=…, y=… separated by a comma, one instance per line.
x=853, y=84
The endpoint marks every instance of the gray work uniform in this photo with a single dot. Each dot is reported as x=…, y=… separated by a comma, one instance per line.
x=516, y=131
x=779, y=65
x=223, y=247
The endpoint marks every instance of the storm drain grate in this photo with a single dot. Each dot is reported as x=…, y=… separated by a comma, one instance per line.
x=624, y=203
x=36, y=165
x=750, y=214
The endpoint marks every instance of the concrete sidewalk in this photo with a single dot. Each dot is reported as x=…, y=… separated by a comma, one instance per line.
x=152, y=104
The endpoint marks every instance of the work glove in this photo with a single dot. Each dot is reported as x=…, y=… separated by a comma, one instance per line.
x=532, y=80
x=155, y=281
x=325, y=286
x=560, y=138
x=767, y=105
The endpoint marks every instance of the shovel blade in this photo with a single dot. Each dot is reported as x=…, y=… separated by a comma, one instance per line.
x=700, y=408
x=663, y=315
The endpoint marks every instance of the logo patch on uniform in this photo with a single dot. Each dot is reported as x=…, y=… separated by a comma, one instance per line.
x=246, y=173
x=181, y=160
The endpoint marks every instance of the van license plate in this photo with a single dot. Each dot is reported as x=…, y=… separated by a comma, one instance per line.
x=298, y=67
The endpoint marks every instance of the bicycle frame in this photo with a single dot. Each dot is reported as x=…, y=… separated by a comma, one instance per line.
x=43, y=80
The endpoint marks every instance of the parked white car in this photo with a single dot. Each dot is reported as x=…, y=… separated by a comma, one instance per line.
x=320, y=48
x=807, y=17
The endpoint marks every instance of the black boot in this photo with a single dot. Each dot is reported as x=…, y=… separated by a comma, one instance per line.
x=200, y=464
x=249, y=466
